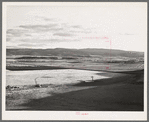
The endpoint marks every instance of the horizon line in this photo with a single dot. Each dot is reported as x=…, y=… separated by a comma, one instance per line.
x=73, y=49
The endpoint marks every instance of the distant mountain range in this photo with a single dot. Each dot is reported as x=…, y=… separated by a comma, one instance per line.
x=73, y=52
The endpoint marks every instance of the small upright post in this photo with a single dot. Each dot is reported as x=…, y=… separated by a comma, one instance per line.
x=92, y=78
x=36, y=81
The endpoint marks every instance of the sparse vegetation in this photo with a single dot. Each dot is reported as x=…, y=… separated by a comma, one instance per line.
x=111, y=93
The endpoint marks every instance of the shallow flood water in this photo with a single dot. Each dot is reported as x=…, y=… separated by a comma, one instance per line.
x=62, y=76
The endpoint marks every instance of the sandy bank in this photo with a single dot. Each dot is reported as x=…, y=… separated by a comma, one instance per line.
x=121, y=92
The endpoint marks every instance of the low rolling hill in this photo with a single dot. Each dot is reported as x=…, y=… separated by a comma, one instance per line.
x=73, y=52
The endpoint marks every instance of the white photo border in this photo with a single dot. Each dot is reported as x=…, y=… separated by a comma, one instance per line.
x=67, y=115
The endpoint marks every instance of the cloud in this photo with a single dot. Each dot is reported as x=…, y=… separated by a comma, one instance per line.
x=56, y=29
x=31, y=45
x=12, y=46
x=63, y=34
x=38, y=26
x=28, y=35
x=43, y=35
x=42, y=28
x=75, y=31
x=15, y=32
x=76, y=26
x=38, y=43
x=44, y=41
x=30, y=31
x=48, y=19
x=79, y=29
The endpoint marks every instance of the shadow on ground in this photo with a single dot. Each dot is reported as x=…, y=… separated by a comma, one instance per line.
x=122, y=93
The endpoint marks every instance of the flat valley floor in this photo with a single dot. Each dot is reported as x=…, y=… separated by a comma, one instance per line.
x=123, y=91
x=117, y=84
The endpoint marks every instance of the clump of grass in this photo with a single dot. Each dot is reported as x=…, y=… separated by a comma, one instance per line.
x=38, y=85
x=8, y=87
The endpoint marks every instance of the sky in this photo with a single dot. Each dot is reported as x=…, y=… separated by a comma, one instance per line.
x=111, y=26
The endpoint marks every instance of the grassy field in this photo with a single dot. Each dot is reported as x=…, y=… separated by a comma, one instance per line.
x=79, y=63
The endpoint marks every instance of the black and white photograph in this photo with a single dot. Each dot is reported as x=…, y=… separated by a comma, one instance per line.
x=74, y=61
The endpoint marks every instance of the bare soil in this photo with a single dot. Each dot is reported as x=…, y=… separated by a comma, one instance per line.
x=122, y=92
